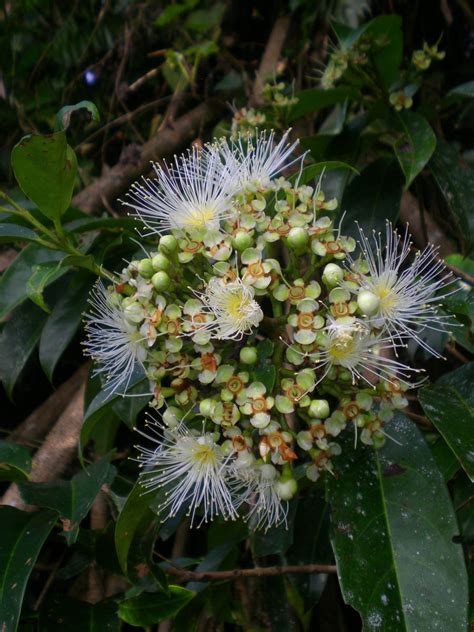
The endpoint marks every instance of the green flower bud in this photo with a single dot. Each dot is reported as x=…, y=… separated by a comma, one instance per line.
x=160, y=262
x=268, y=472
x=242, y=240
x=297, y=238
x=161, y=281
x=167, y=244
x=333, y=274
x=134, y=312
x=339, y=295
x=368, y=302
x=305, y=440
x=286, y=489
x=248, y=355
x=319, y=409
x=206, y=407
x=145, y=268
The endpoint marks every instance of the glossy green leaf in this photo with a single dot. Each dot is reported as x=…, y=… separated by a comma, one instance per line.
x=415, y=146
x=15, y=462
x=63, y=117
x=445, y=458
x=151, y=608
x=14, y=280
x=84, y=224
x=18, y=340
x=373, y=197
x=64, y=321
x=449, y=404
x=13, y=233
x=455, y=179
x=386, y=30
x=392, y=533
x=42, y=275
x=71, y=499
x=45, y=168
x=315, y=99
x=276, y=539
x=23, y=535
x=311, y=172
x=60, y=612
x=463, y=90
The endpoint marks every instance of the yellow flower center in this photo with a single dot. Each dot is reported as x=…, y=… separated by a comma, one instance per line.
x=342, y=347
x=237, y=305
x=203, y=454
x=199, y=217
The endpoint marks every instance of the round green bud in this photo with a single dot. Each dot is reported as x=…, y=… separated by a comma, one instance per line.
x=244, y=459
x=286, y=489
x=242, y=240
x=168, y=244
x=319, y=409
x=248, y=355
x=134, y=312
x=333, y=274
x=161, y=281
x=160, y=262
x=297, y=238
x=268, y=472
x=368, y=302
x=206, y=407
x=145, y=268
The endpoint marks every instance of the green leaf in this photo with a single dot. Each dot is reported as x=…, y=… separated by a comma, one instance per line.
x=311, y=172
x=463, y=90
x=128, y=408
x=63, y=117
x=18, y=341
x=415, y=146
x=392, y=530
x=150, y=608
x=455, y=179
x=63, y=322
x=71, y=499
x=41, y=275
x=87, y=262
x=445, y=459
x=23, y=535
x=276, y=539
x=449, y=404
x=373, y=197
x=316, y=99
x=388, y=58
x=60, y=612
x=15, y=462
x=14, y=233
x=14, y=280
x=45, y=168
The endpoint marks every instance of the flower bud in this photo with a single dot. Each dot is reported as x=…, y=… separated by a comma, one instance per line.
x=248, y=355
x=242, y=240
x=286, y=488
x=333, y=274
x=305, y=440
x=168, y=244
x=160, y=262
x=206, y=407
x=161, y=281
x=368, y=302
x=134, y=312
x=268, y=472
x=145, y=268
x=319, y=409
x=297, y=238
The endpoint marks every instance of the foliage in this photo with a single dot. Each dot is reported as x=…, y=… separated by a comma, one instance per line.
x=383, y=108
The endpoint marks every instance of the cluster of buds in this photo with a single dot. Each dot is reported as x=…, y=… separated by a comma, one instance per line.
x=261, y=334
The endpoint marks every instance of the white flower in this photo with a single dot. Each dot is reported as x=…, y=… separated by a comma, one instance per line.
x=402, y=300
x=112, y=341
x=193, y=193
x=232, y=305
x=257, y=160
x=191, y=469
x=350, y=344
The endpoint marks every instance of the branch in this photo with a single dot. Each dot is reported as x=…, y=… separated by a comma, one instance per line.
x=117, y=179
x=259, y=571
x=271, y=55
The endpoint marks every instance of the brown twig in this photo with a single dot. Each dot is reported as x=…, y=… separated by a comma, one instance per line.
x=259, y=571
x=270, y=57
x=457, y=354
x=116, y=180
x=419, y=419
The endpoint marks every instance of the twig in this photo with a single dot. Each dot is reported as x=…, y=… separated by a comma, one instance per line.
x=116, y=180
x=270, y=56
x=457, y=354
x=419, y=419
x=259, y=571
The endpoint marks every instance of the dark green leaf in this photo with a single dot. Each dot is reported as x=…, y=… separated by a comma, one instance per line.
x=45, y=168
x=60, y=612
x=316, y=99
x=128, y=408
x=450, y=406
x=150, y=608
x=13, y=233
x=15, y=278
x=373, y=197
x=84, y=224
x=23, y=535
x=463, y=90
x=276, y=539
x=445, y=458
x=455, y=179
x=63, y=322
x=386, y=31
x=42, y=275
x=71, y=499
x=311, y=172
x=392, y=530
x=266, y=374
x=87, y=262
x=15, y=462
x=18, y=341
x=63, y=117
x=415, y=146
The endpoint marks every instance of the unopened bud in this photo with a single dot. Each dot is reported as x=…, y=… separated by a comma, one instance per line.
x=286, y=489
x=248, y=355
x=368, y=302
x=319, y=409
x=168, y=244
x=297, y=238
x=333, y=274
x=161, y=281
x=160, y=262
x=145, y=268
x=242, y=240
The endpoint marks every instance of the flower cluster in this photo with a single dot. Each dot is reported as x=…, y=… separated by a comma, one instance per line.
x=261, y=331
